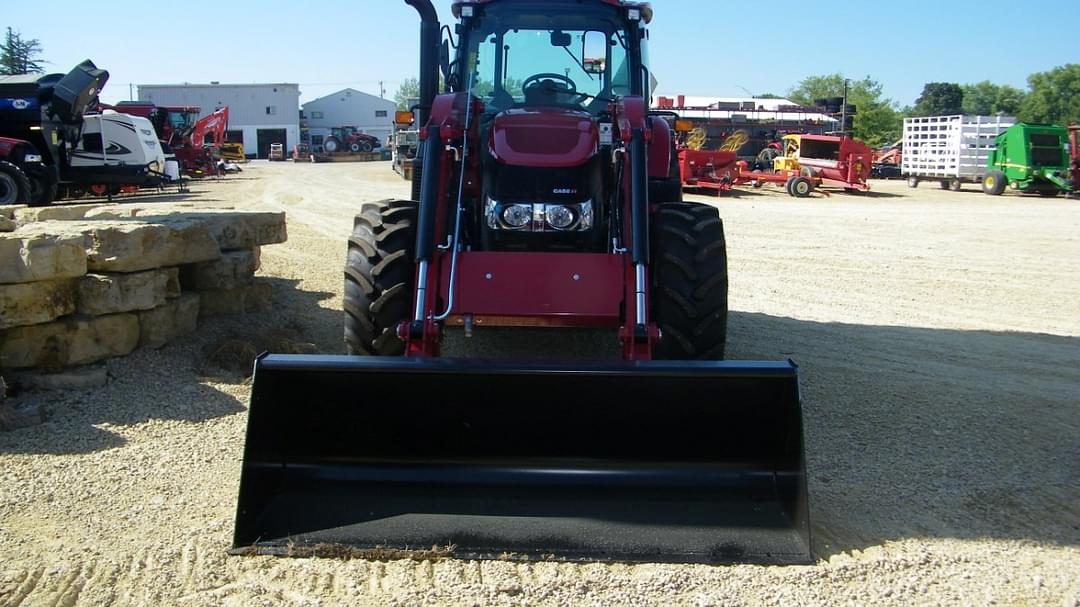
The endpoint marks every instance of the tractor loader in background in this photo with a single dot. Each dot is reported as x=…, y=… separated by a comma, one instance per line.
x=546, y=195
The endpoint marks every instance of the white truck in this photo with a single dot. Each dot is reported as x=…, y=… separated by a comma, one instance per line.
x=950, y=150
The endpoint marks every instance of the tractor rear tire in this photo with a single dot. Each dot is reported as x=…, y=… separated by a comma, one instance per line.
x=332, y=145
x=14, y=185
x=993, y=183
x=379, y=277
x=670, y=189
x=689, y=281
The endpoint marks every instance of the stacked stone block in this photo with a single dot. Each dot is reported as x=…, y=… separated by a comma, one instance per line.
x=80, y=286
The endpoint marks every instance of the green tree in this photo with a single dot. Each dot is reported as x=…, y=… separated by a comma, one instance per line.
x=877, y=120
x=1054, y=97
x=940, y=99
x=19, y=56
x=409, y=89
x=987, y=99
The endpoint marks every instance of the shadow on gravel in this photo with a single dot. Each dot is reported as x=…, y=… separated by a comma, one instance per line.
x=870, y=194
x=914, y=432
x=169, y=384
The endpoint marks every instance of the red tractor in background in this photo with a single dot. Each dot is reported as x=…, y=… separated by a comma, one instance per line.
x=346, y=139
x=546, y=197
x=194, y=141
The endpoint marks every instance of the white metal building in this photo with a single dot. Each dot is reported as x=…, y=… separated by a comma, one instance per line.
x=259, y=114
x=349, y=107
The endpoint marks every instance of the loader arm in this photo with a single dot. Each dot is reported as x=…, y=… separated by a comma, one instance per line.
x=213, y=126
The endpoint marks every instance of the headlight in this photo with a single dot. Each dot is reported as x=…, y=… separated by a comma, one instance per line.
x=517, y=215
x=32, y=158
x=528, y=217
x=559, y=217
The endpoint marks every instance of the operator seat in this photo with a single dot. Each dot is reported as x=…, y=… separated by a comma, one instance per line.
x=545, y=92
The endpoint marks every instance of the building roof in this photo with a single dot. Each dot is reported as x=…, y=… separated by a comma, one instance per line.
x=214, y=84
x=348, y=93
x=21, y=79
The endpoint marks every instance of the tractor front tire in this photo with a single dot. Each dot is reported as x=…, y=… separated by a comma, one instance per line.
x=14, y=185
x=689, y=281
x=42, y=191
x=993, y=183
x=379, y=277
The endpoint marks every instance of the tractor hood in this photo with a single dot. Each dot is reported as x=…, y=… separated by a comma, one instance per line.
x=544, y=137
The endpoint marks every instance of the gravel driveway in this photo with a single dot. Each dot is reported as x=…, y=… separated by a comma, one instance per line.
x=938, y=336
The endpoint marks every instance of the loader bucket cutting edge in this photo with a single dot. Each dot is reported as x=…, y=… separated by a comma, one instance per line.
x=659, y=461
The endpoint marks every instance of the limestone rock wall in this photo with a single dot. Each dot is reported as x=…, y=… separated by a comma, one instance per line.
x=84, y=283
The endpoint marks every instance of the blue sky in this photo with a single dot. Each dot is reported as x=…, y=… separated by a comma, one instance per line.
x=699, y=47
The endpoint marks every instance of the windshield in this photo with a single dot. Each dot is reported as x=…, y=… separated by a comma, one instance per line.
x=522, y=60
x=182, y=120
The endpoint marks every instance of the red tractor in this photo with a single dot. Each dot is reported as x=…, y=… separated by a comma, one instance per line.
x=547, y=197
x=346, y=139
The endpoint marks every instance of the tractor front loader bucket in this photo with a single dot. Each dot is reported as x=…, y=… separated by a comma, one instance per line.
x=663, y=461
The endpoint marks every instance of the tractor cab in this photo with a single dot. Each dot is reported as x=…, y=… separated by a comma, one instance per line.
x=531, y=55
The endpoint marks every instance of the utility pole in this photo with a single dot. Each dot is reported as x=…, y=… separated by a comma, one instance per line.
x=382, y=90
x=131, y=91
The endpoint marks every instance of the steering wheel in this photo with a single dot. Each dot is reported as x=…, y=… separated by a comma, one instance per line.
x=536, y=78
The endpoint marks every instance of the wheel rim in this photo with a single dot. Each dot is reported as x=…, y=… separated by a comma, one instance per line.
x=802, y=188
x=9, y=191
x=990, y=182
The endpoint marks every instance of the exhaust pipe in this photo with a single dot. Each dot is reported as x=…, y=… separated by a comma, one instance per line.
x=429, y=56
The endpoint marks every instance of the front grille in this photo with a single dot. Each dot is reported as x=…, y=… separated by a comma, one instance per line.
x=533, y=184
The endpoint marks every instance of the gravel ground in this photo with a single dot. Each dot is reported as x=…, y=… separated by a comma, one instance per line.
x=938, y=335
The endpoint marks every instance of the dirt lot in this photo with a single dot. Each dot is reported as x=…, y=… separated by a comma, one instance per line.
x=938, y=335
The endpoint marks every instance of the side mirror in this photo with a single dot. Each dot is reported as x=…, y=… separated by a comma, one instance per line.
x=594, y=46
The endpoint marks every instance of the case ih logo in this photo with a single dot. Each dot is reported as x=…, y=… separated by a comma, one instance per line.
x=564, y=191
